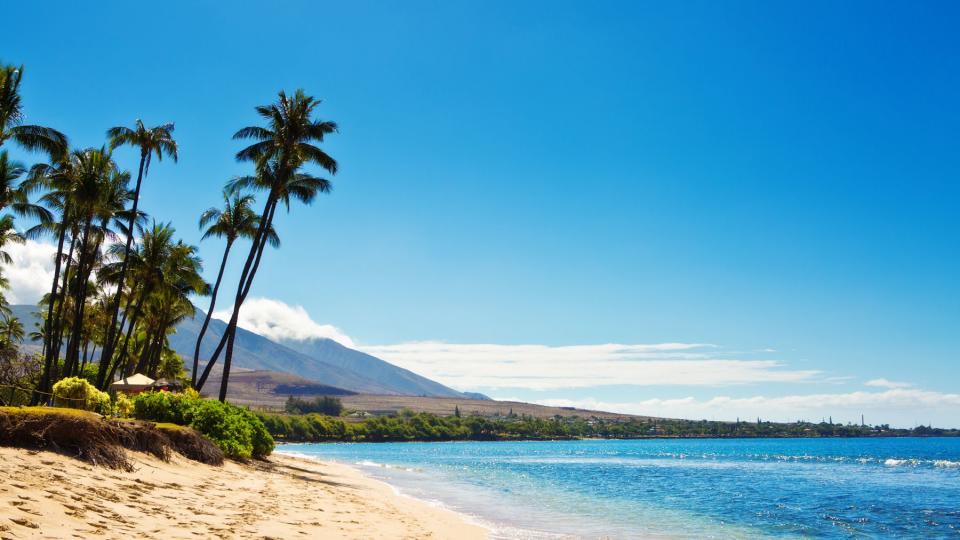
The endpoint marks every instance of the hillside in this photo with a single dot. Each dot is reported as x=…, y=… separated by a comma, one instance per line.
x=404, y=380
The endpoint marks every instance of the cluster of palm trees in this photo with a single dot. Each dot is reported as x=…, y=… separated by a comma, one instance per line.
x=122, y=281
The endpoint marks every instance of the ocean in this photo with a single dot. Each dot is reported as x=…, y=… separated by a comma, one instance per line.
x=678, y=488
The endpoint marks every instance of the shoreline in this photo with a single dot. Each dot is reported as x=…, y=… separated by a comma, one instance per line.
x=394, y=490
x=49, y=495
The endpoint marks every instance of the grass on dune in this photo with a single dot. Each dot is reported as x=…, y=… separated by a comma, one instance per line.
x=50, y=410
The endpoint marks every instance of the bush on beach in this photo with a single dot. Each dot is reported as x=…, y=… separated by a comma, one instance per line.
x=123, y=406
x=77, y=393
x=237, y=431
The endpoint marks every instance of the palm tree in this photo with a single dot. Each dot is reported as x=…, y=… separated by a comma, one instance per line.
x=8, y=234
x=15, y=196
x=236, y=220
x=57, y=179
x=11, y=329
x=163, y=274
x=281, y=149
x=40, y=138
x=99, y=193
x=171, y=303
x=153, y=141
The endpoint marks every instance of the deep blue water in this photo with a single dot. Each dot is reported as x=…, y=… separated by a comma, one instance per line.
x=830, y=488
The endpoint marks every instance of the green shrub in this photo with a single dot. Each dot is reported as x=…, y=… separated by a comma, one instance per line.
x=123, y=406
x=262, y=441
x=238, y=432
x=77, y=393
x=163, y=407
x=224, y=426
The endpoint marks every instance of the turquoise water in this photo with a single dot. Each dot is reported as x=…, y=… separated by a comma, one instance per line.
x=705, y=488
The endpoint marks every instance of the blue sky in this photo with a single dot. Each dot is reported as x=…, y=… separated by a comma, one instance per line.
x=777, y=181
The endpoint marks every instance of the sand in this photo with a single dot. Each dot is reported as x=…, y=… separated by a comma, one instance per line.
x=48, y=495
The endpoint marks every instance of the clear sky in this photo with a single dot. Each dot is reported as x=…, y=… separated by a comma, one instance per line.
x=771, y=187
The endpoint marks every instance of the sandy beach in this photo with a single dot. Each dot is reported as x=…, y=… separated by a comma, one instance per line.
x=48, y=495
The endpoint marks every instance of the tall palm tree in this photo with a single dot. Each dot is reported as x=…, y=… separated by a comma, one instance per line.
x=99, y=192
x=282, y=148
x=30, y=137
x=155, y=141
x=235, y=220
x=57, y=180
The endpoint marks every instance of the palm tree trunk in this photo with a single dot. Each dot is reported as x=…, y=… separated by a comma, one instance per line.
x=110, y=342
x=61, y=238
x=48, y=324
x=146, y=352
x=82, y=340
x=126, y=341
x=156, y=350
x=73, y=345
x=241, y=296
x=126, y=313
x=206, y=320
x=254, y=248
x=59, y=317
x=86, y=355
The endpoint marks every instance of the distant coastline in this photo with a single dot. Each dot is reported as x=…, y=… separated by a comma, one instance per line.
x=427, y=427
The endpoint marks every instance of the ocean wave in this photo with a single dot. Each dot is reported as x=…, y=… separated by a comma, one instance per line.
x=368, y=463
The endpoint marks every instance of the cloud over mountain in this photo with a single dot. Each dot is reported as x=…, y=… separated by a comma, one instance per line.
x=279, y=321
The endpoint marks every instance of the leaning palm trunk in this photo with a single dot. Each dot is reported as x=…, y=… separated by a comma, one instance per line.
x=206, y=320
x=112, y=336
x=256, y=249
x=245, y=288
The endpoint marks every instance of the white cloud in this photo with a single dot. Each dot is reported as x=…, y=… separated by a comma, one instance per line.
x=539, y=367
x=543, y=367
x=899, y=406
x=884, y=383
x=277, y=320
x=31, y=272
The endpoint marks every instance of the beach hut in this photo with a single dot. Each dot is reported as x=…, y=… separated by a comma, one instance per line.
x=133, y=384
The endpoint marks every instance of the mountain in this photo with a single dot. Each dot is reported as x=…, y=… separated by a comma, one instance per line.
x=253, y=351
x=321, y=361
x=404, y=380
